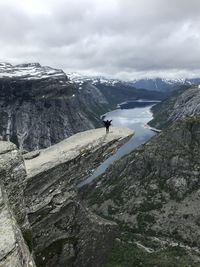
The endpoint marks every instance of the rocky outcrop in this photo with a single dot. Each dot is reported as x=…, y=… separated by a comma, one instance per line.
x=65, y=232
x=154, y=191
x=13, y=249
x=62, y=231
x=13, y=217
x=12, y=179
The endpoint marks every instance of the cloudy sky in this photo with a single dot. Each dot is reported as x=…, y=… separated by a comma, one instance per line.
x=120, y=38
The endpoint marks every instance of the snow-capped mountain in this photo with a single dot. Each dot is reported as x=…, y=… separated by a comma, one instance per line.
x=34, y=71
x=152, y=84
x=114, y=90
x=80, y=79
x=161, y=84
x=40, y=106
x=30, y=71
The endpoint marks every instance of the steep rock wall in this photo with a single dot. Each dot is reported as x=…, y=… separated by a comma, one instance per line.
x=14, y=226
x=40, y=106
x=12, y=179
x=182, y=103
x=64, y=231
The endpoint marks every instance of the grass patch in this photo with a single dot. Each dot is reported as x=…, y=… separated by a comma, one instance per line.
x=129, y=255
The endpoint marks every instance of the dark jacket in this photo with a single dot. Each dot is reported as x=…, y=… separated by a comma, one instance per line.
x=107, y=123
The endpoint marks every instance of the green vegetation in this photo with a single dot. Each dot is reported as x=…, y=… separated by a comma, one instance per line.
x=144, y=220
x=129, y=255
x=28, y=237
x=14, y=139
x=54, y=250
x=149, y=205
x=162, y=110
x=3, y=121
x=121, y=92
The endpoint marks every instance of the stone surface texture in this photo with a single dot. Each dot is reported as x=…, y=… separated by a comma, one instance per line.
x=14, y=225
x=65, y=232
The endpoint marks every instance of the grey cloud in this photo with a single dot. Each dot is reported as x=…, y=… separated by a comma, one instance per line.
x=120, y=38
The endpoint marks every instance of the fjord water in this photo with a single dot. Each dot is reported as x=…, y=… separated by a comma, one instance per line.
x=134, y=118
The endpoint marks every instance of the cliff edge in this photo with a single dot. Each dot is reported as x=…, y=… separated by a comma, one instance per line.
x=73, y=146
x=43, y=221
x=65, y=232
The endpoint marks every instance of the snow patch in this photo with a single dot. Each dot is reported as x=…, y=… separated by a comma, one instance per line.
x=29, y=71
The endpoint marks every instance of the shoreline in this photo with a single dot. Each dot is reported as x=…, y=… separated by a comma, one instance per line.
x=152, y=128
x=148, y=126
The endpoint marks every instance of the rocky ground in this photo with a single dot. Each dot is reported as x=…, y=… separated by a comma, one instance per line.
x=182, y=103
x=41, y=213
x=143, y=211
x=14, y=226
x=153, y=194
x=60, y=222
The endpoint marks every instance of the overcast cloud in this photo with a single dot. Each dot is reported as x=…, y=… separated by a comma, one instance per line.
x=120, y=38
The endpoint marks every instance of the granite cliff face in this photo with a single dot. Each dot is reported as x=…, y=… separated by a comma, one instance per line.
x=15, y=228
x=40, y=106
x=182, y=103
x=13, y=249
x=153, y=195
x=41, y=213
x=64, y=231
x=12, y=180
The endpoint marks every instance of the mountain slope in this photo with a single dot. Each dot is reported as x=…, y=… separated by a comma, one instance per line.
x=153, y=194
x=116, y=91
x=39, y=106
x=121, y=91
x=182, y=103
x=65, y=232
x=41, y=216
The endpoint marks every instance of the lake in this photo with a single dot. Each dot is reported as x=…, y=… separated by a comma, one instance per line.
x=134, y=118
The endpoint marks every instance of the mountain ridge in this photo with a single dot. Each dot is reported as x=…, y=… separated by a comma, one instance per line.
x=36, y=71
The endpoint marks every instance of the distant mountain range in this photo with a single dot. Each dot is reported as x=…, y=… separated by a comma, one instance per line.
x=163, y=85
x=34, y=71
x=152, y=84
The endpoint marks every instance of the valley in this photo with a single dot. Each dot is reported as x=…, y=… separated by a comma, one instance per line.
x=132, y=118
x=40, y=106
x=100, y=133
x=137, y=198
x=153, y=193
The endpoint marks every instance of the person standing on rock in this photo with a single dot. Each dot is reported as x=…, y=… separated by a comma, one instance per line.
x=107, y=124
